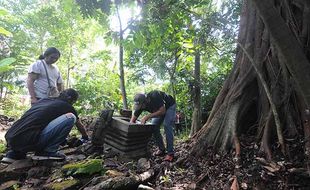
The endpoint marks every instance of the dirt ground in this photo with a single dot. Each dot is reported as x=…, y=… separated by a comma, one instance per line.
x=210, y=171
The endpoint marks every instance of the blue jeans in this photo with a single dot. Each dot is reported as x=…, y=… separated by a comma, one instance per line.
x=56, y=132
x=168, y=121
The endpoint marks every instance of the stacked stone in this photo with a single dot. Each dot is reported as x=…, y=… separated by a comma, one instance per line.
x=128, y=139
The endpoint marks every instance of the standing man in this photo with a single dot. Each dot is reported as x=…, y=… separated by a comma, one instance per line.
x=162, y=109
x=44, y=79
x=43, y=128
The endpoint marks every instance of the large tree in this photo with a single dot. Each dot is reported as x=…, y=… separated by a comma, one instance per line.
x=265, y=93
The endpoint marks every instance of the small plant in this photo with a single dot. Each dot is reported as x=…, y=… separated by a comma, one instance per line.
x=165, y=180
x=2, y=147
x=16, y=187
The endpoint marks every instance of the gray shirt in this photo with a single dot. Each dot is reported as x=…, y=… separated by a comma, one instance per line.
x=41, y=84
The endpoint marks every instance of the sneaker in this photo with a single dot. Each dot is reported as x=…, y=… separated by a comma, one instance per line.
x=49, y=156
x=159, y=153
x=169, y=158
x=11, y=156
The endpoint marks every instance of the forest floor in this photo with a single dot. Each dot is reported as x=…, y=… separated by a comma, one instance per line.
x=211, y=171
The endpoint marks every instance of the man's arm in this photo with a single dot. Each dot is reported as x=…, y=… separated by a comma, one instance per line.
x=133, y=119
x=30, y=85
x=135, y=115
x=81, y=129
x=161, y=111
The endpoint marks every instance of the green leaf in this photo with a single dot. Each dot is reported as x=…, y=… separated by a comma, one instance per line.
x=9, y=86
x=5, y=32
x=3, y=12
x=7, y=61
x=67, y=5
x=5, y=64
x=5, y=68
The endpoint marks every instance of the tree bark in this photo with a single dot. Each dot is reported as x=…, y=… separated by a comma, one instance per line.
x=288, y=46
x=196, y=117
x=276, y=35
x=121, y=62
x=69, y=67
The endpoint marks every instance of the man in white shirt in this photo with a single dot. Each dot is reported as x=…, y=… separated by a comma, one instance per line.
x=44, y=79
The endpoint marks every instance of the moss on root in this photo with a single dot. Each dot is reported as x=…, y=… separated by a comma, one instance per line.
x=66, y=184
x=85, y=167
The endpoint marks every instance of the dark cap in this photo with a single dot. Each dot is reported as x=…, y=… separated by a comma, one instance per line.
x=139, y=99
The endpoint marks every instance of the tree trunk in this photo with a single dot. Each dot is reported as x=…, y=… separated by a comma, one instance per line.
x=121, y=63
x=287, y=45
x=69, y=67
x=196, y=117
x=1, y=87
x=275, y=43
x=171, y=71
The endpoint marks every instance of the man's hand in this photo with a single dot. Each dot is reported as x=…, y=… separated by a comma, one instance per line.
x=133, y=119
x=33, y=100
x=144, y=119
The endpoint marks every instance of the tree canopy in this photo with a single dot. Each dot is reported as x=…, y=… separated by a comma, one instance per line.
x=159, y=42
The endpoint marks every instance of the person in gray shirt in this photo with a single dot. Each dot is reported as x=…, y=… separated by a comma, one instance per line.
x=44, y=79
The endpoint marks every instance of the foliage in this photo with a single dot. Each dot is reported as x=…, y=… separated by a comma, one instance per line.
x=36, y=26
x=5, y=64
x=164, y=42
x=98, y=87
x=159, y=47
x=15, y=104
x=2, y=147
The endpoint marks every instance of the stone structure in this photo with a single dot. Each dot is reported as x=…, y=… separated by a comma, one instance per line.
x=128, y=139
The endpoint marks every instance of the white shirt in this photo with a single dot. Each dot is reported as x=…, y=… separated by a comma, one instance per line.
x=41, y=83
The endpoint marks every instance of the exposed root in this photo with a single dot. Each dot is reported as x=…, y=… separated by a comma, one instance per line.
x=265, y=139
x=237, y=158
x=234, y=185
x=272, y=104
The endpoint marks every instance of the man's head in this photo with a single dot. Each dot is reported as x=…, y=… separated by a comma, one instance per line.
x=139, y=101
x=51, y=55
x=69, y=95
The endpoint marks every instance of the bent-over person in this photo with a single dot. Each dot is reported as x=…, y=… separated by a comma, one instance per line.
x=162, y=110
x=43, y=128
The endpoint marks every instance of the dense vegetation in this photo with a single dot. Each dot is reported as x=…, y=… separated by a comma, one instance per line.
x=159, y=39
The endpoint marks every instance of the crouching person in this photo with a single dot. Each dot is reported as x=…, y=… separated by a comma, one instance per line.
x=43, y=128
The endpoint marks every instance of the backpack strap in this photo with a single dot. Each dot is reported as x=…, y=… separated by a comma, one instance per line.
x=48, y=79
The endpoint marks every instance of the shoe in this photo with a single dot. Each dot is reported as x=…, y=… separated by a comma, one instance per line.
x=159, y=153
x=49, y=156
x=169, y=158
x=11, y=156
